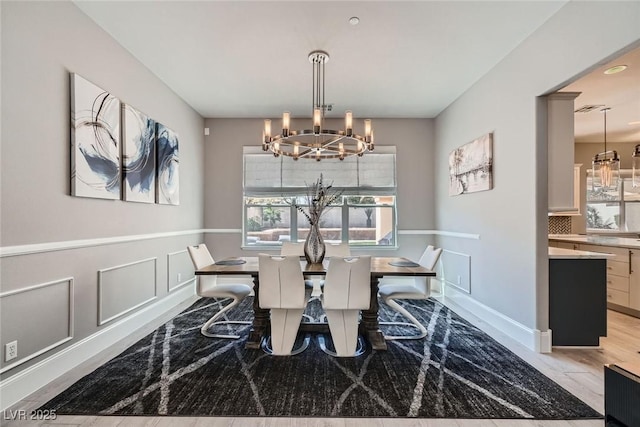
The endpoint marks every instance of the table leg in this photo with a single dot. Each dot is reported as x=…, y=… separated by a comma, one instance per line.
x=260, y=319
x=369, y=326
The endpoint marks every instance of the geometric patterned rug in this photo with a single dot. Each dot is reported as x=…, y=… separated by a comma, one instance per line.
x=457, y=371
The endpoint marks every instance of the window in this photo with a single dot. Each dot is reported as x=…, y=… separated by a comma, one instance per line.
x=615, y=210
x=365, y=215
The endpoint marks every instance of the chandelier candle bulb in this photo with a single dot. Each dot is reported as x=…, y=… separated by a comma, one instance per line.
x=296, y=151
x=286, y=118
x=267, y=130
x=317, y=120
x=367, y=130
x=348, y=123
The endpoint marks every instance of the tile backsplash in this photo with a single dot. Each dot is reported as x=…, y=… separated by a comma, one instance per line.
x=559, y=225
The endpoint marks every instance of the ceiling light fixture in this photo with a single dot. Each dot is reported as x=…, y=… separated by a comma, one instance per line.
x=615, y=69
x=354, y=20
x=318, y=143
x=605, y=165
x=635, y=167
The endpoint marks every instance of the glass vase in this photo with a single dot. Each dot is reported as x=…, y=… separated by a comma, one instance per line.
x=314, y=245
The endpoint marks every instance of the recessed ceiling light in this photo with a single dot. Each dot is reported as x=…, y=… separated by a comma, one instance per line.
x=354, y=20
x=635, y=123
x=615, y=69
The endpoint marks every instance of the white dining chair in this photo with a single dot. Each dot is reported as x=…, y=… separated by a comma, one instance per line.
x=347, y=290
x=213, y=287
x=295, y=248
x=282, y=291
x=292, y=248
x=341, y=249
x=418, y=289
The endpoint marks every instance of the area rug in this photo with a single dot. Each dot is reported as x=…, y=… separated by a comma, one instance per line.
x=457, y=371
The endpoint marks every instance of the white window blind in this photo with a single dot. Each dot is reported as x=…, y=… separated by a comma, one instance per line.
x=373, y=173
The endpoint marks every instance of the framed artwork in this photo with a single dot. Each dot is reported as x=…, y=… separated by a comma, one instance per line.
x=139, y=156
x=471, y=166
x=168, y=165
x=95, y=141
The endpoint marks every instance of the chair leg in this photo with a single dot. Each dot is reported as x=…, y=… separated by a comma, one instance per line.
x=343, y=325
x=360, y=348
x=204, y=330
x=268, y=348
x=414, y=323
x=284, y=329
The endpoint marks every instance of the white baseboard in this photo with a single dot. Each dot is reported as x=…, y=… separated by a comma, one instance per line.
x=24, y=383
x=533, y=339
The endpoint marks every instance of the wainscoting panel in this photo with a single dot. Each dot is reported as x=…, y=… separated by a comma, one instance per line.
x=456, y=269
x=124, y=288
x=38, y=317
x=179, y=270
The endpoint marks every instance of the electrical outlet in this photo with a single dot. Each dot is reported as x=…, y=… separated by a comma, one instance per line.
x=179, y=277
x=459, y=279
x=10, y=350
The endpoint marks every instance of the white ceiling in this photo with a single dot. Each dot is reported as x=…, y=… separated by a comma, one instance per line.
x=249, y=58
x=620, y=92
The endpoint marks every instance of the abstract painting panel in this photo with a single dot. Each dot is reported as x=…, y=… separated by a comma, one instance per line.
x=139, y=155
x=168, y=190
x=471, y=166
x=95, y=141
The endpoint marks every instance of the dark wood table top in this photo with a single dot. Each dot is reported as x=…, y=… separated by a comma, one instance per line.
x=380, y=266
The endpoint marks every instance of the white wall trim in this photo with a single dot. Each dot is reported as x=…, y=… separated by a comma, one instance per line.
x=441, y=233
x=533, y=339
x=70, y=320
x=182, y=284
x=26, y=382
x=102, y=321
x=36, y=248
x=408, y=232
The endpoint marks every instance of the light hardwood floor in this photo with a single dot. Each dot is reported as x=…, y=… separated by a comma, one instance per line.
x=580, y=371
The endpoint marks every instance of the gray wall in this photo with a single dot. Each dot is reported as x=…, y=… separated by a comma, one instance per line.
x=41, y=43
x=509, y=267
x=414, y=142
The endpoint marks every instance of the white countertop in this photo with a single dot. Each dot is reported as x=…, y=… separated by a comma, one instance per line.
x=621, y=242
x=561, y=253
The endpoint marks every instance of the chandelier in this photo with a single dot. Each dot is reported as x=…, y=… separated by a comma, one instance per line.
x=318, y=143
x=605, y=165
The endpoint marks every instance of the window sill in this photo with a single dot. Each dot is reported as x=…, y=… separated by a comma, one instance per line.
x=258, y=248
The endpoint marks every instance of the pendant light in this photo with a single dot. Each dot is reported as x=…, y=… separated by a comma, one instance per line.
x=605, y=165
x=635, y=165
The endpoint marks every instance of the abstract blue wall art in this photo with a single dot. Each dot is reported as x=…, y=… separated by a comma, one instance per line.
x=168, y=189
x=95, y=141
x=139, y=155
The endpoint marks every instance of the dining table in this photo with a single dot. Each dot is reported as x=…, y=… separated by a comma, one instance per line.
x=369, y=326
